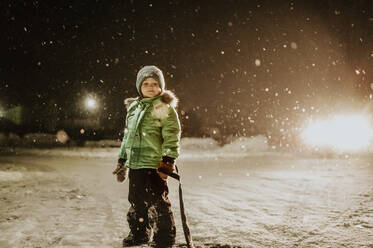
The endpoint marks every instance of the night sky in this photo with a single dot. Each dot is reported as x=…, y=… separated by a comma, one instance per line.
x=242, y=67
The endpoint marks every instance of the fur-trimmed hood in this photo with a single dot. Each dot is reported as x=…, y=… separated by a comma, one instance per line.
x=167, y=97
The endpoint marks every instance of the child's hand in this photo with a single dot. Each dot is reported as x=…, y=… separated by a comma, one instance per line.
x=166, y=167
x=120, y=172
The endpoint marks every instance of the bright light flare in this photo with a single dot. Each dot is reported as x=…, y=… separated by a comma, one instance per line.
x=91, y=103
x=344, y=133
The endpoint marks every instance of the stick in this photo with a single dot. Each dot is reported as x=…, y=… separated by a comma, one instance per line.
x=187, y=234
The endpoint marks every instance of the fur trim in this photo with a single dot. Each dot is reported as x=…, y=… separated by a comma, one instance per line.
x=169, y=97
x=160, y=111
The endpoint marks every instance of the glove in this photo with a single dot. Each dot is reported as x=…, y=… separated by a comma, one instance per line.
x=166, y=165
x=120, y=172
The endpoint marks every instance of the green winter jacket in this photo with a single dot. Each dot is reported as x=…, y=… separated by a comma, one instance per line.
x=152, y=131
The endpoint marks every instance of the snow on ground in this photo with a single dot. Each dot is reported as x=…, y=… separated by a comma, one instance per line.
x=67, y=197
x=190, y=148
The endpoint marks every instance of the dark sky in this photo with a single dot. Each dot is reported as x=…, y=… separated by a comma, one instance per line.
x=243, y=66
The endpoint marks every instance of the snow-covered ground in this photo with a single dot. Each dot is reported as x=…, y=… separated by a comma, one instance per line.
x=240, y=195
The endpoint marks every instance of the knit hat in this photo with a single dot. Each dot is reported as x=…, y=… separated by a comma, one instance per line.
x=150, y=71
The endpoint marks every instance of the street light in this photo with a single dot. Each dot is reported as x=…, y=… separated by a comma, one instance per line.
x=90, y=115
x=90, y=103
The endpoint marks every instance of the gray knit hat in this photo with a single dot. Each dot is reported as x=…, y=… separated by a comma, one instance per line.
x=150, y=71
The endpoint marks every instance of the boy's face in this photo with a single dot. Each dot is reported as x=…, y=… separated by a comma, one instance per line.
x=150, y=88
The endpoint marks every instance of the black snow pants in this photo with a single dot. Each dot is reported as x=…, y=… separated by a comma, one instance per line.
x=150, y=207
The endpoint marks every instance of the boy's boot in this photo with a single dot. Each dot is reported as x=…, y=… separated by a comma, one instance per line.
x=156, y=245
x=132, y=241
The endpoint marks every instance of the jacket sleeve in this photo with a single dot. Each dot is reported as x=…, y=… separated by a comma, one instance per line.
x=171, y=132
x=122, y=157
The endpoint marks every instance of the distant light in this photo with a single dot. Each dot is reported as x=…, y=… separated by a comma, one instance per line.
x=91, y=103
x=293, y=45
x=343, y=133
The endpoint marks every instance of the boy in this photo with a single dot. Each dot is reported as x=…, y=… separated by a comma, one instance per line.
x=151, y=140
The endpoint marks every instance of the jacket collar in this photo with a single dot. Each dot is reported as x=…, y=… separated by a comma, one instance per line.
x=166, y=97
x=149, y=100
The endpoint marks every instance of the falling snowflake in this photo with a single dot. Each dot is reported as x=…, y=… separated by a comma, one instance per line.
x=293, y=45
x=257, y=62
